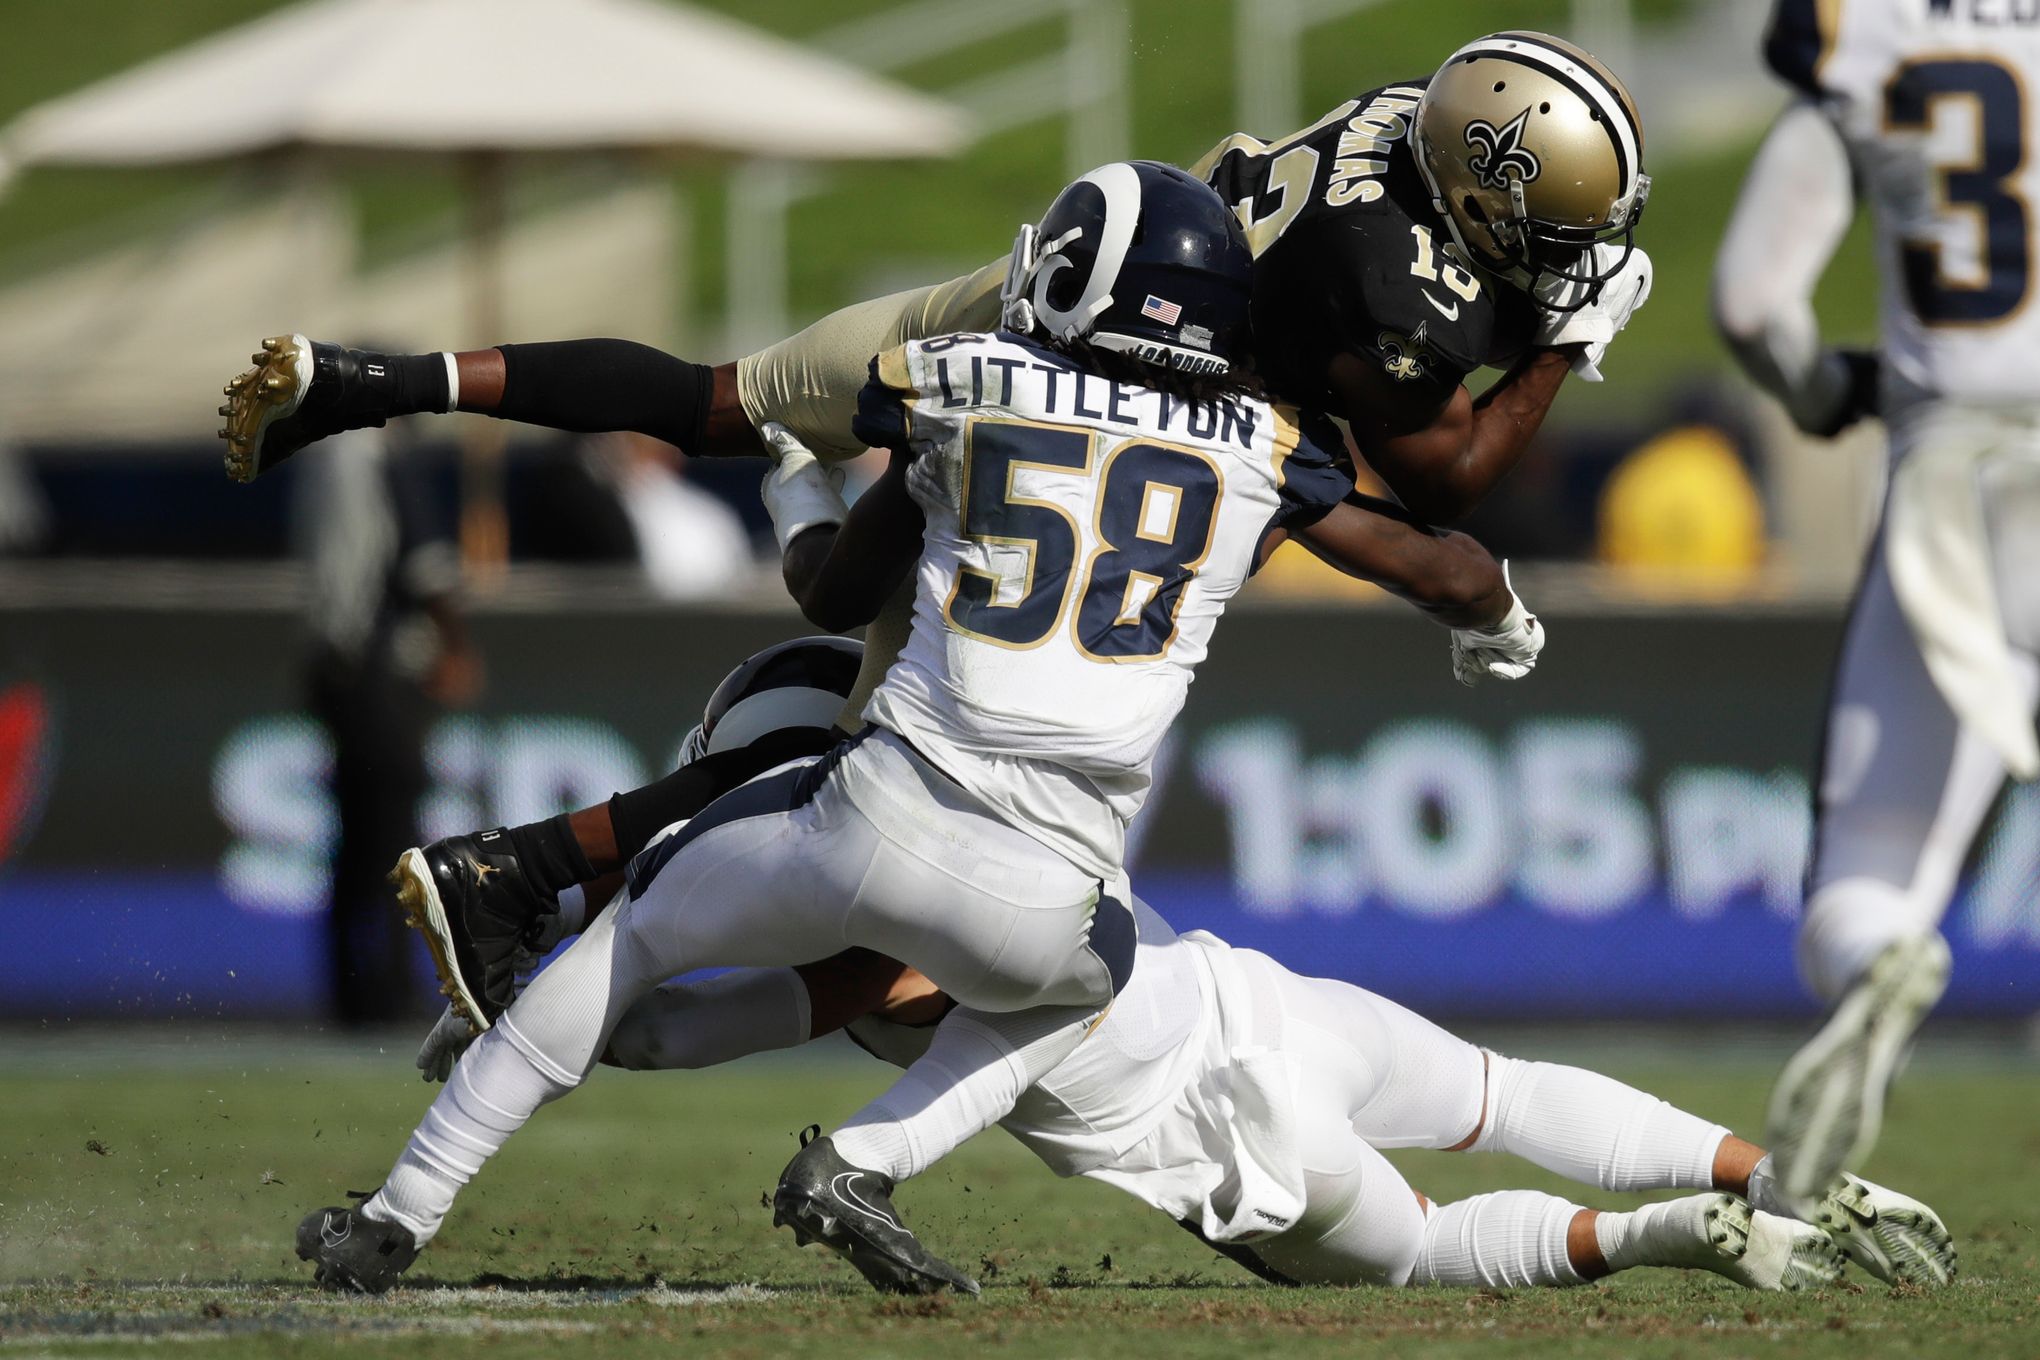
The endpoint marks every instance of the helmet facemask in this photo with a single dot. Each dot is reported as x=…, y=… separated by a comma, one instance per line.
x=1544, y=257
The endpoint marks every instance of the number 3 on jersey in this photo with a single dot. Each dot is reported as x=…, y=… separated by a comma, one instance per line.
x=1154, y=509
x=1978, y=186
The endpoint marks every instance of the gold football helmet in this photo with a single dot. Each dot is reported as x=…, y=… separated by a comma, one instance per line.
x=1534, y=155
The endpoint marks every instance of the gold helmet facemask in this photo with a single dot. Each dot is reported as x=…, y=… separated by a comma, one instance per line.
x=1534, y=155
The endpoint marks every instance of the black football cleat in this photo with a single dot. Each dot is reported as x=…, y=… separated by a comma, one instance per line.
x=825, y=1199
x=480, y=917
x=351, y=1251
x=299, y=392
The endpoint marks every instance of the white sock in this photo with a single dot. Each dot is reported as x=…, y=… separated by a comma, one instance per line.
x=494, y=1088
x=537, y=1051
x=703, y=1022
x=1594, y=1129
x=974, y=1070
x=1672, y=1232
x=573, y=909
x=1506, y=1240
x=1764, y=1195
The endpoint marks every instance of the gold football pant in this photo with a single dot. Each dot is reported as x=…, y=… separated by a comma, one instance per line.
x=809, y=383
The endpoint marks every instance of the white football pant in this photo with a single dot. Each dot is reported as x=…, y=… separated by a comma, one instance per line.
x=1905, y=784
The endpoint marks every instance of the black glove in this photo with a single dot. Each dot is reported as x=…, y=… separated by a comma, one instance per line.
x=1859, y=402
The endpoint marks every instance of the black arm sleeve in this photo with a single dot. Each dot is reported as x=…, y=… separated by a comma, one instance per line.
x=643, y=813
x=594, y=385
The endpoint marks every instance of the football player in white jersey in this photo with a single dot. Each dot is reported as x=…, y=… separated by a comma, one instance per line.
x=1075, y=508
x=1250, y=1103
x=1929, y=110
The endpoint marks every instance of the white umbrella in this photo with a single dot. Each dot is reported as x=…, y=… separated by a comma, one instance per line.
x=482, y=80
x=487, y=75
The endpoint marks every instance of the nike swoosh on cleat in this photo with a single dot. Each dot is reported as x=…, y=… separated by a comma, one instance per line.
x=1450, y=314
x=332, y=1238
x=839, y=1186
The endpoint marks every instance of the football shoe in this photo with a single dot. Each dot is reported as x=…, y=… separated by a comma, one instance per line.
x=850, y=1211
x=1893, y=1236
x=299, y=392
x=1829, y=1102
x=351, y=1251
x=480, y=916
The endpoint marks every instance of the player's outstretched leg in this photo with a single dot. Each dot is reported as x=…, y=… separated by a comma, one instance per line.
x=1829, y=1102
x=850, y=1211
x=351, y=1251
x=478, y=911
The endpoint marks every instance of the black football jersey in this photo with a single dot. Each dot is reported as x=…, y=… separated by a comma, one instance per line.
x=1350, y=257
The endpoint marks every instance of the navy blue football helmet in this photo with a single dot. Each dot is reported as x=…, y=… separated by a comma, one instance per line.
x=802, y=683
x=1141, y=259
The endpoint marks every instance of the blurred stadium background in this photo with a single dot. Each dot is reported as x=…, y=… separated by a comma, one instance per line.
x=1619, y=839
x=165, y=821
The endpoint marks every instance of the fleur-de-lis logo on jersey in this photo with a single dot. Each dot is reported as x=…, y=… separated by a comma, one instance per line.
x=1501, y=154
x=1402, y=365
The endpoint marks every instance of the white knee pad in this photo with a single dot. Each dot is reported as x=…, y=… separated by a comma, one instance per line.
x=1594, y=1129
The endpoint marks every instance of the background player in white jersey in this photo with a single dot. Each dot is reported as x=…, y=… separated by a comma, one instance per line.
x=1250, y=1104
x=975, y=830
x=1930, y=111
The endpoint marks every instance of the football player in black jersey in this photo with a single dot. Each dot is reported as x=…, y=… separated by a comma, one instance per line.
x=1481, y=216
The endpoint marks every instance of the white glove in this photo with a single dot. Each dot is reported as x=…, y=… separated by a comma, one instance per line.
x=1597, y=323
x=1506, y=650
x=799, y=492
x=444, y=1045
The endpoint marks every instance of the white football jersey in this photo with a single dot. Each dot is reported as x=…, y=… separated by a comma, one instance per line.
x=1939, y=102
x=1082, y=539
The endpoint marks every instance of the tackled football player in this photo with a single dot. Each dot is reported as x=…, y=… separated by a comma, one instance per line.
x=1073, y=518
x=1284, y=1176
x=1480, y=216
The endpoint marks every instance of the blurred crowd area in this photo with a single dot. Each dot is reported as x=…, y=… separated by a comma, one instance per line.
x=127, y=295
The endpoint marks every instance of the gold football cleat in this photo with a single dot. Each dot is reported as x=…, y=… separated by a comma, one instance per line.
x=262, y=395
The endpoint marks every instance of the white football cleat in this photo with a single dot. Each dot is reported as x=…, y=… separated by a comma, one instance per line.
x=1893, y=1236
x=1721, y=1233
x=1829, y=1102
x=1764, y=1251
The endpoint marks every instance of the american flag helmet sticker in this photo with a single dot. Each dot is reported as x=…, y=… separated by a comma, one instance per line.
x=1168, y=313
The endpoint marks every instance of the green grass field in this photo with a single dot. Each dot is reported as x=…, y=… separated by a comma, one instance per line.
x=149, y=1184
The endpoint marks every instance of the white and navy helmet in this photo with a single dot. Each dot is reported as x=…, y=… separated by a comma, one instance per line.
x=1139, y=258
x=802, y=683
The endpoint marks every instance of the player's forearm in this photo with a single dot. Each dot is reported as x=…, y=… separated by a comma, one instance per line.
x=1443, y=471
x=801, y=564
x=1506, y=417
x=1765, y=276
x=1448, y=576
x=1457, y=583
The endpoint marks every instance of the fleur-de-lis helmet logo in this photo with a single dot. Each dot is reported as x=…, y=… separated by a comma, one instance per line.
x=1501, y=154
